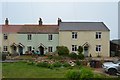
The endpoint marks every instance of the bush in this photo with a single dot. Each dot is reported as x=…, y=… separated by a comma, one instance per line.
x=81, y=56
x=43, y=64
x=30, y=63
x=86, y=73
x=73, y=55
x=66, y=64
x=62, y=50
x=80, y=50
x=57, y=64
x=73, y=75
x=4, y=56
x=78, y=63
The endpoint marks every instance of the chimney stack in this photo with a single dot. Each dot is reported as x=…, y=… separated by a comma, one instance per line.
x=40, y=21
x=6, y=21
x=59, y=20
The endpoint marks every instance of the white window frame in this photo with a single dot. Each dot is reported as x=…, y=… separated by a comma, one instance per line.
x=74, y=35
x=74, y=47
x=5, y=36
x=98, y=35
x=50, y=37
x=29, y=47
x=50, y=49
x=98, y=48
x=29, y=37
x=5, y=48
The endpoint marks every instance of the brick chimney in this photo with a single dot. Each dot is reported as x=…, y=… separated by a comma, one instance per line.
x=40, y=21
x=6, y=21
x=59, y=20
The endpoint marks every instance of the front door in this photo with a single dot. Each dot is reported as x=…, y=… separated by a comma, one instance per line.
x=41, y=50
x=20, y=49
x=86, y=51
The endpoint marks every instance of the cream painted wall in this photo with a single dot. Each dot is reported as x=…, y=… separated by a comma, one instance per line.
x=65, y=39
x=11, y=39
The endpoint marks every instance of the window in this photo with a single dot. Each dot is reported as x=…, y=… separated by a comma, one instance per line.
x=29, y=48
x=5, y=48
x=74, y=35
x=74, y=47
x=50, y=37
x=5, y=36
x=98, y=48
x=98, y=35
x=29, y=37
x=50, y=49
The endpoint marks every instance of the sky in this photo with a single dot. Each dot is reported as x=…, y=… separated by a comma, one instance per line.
x=28, y=12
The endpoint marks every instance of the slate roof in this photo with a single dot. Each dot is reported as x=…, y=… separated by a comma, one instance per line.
x=29, y=28
x=83, y=26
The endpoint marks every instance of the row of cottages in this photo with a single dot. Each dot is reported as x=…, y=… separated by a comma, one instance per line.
x=93, y=36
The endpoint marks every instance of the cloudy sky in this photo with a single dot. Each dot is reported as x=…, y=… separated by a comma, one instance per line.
x=29, y=12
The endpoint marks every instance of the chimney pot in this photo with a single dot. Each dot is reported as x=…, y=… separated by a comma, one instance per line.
x=40, y=21
x=6, y=21
x=59, y=20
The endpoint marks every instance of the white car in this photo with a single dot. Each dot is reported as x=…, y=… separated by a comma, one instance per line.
x=112, y=67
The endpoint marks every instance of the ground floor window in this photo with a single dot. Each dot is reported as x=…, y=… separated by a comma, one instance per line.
x=5, y=48
x=74, y=47
x=29, y=48
x=98, y=48
x=50, y=49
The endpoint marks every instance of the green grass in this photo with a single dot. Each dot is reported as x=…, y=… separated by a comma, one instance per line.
x=23, y=70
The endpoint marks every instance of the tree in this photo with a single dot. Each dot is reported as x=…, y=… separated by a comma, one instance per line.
x=80, y=50
x=62, y=50
x=80, y=55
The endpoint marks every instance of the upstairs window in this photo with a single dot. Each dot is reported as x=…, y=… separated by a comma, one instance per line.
x=98, y=48
x=98, y=35
x=74, y=47
x=29, y=36
x=5, y=48
x=5, y=36
x=29, y=48
x=50, y=49
x=74, y=35
x=50, y=37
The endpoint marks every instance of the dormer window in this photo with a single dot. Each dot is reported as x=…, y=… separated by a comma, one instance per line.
x=5, y=36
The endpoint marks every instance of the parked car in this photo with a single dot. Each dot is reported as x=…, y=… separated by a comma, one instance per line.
x=112, y=68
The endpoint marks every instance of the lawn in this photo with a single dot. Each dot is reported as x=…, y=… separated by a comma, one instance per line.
x=23, y=70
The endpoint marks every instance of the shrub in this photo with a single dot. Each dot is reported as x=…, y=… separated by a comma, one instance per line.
x=86, y=73
x=73, y=75
x=62, y=50
x=43, y=64
x=66, y=64
x=73, y=55
x=30, y=63
x=57, y=64
x=81, y=56
x=4, y=56
x=78, y=63
x=80, y=50
x=50, y=57
x=58, y=57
